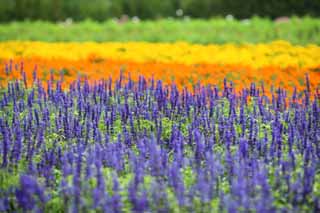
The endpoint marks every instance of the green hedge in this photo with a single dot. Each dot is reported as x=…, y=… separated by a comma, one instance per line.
x=297, y=31
x=54, y=10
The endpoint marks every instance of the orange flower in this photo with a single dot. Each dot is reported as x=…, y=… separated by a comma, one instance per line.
x=181, y=74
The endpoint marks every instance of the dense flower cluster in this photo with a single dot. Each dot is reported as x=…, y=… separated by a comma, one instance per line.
x=277, y=53
x=123, y=145
x=276, y=64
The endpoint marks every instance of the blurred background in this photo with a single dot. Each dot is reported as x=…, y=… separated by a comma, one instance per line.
x=100, y=10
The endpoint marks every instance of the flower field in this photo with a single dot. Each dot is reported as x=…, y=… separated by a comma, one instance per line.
x=275, y=64
x=159, y=127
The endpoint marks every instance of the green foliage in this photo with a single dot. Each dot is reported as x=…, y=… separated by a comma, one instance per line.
x=316, y=187
x=144, y=124
x=149, y=9
x=174, y=206
x=55, y=204
x=188, y=176
x=256, y=30
x=166, y=128
x=7, y=179
x=117, y=128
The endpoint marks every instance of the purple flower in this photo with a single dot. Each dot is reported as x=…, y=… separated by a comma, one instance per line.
x=30, y=193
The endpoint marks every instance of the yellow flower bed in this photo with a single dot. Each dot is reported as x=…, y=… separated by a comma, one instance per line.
x=278, y=53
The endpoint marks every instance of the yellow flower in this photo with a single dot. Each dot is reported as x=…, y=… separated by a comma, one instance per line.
x=277, y=53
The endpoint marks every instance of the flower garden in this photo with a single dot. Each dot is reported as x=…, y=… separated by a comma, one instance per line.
x=139, y=126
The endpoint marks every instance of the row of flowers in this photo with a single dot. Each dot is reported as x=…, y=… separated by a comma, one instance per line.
x=277, y=53
x=142, y=146
x=182, y=75
x=278, y=63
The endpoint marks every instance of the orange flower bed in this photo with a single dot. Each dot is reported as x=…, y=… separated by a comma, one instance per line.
x=181, y=74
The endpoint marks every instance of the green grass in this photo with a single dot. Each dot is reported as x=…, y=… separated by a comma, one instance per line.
x=297, y=31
